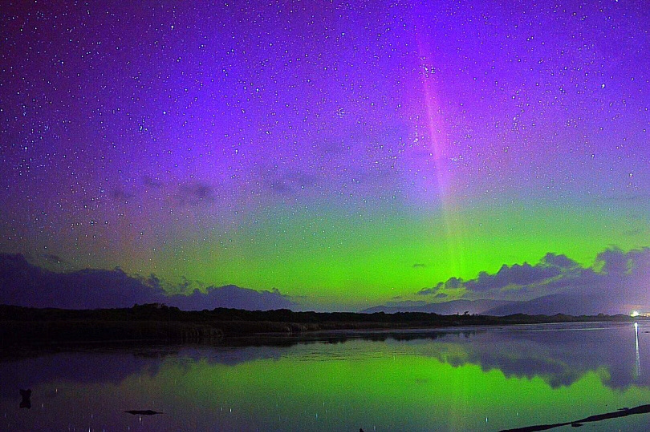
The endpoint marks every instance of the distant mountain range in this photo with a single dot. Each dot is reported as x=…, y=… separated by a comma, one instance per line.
x=565, y=303
x=474, y=307
x=22, y=283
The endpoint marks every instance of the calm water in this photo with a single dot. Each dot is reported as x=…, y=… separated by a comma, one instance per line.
x=479, y=379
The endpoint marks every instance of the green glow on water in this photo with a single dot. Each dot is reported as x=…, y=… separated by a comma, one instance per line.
x=389, y=392
x=468, y=380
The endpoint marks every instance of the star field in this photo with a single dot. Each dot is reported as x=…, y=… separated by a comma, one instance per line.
x=342, y=152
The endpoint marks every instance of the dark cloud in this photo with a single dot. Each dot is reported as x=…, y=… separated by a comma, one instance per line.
x=432, y=290
x=231, y=296
x=618, y=282
x=154, y=282
x=152, y=182
x=195, y=194
x=561, y=261
x=290, y=184
x=639, y=261
x=24, y=284
x=119, y=194
x=281, y=187
x=614, y=261
x=428, y=291
x=452, y=283
x=515, y=275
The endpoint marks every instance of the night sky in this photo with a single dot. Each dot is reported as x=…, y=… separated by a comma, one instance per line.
x=345, y=153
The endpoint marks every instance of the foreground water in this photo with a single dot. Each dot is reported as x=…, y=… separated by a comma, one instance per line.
x=473, y=379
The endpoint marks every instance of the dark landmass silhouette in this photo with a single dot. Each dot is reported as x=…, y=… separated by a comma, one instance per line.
x=144, y=412
x=574, y=303
x=445, y=308
x=158, y=322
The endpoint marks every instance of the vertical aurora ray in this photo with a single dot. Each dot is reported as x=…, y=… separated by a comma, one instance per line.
x=436, y=146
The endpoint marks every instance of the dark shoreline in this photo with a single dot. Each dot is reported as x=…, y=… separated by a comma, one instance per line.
x=160, y=323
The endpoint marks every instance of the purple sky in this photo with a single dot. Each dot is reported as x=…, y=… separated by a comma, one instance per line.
x=346, y=154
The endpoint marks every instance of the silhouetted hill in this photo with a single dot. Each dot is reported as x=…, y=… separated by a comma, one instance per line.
x=447, y=308
x=564, y=303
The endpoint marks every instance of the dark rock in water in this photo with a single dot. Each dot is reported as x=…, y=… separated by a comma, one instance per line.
x=621, y=412
x=143, y=412
x=26, y=395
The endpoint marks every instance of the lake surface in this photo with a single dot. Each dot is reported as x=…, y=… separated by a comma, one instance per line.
x=471, y=379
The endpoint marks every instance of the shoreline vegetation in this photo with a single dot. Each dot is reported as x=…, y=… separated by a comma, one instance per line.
x=161, y=323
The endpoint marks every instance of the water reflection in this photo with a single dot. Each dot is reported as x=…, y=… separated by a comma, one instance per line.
x=558, y=354
x=637, y=363
x=478, y=379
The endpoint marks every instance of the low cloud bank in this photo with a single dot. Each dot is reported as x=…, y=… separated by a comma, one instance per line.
x=24, y=284
x=617, y=282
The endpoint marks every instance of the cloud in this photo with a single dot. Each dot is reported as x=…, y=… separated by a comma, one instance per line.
x=231, y=296
x=291, y=183
x=119, y=194
x=515, y=275
x=617, y=282
x=451, y=283
x=195, y=193
x=561, y=261
x=551, y=266
x=614, y=261
x=24, y=284
x=184, y=194
x=151, y=182
x=428, y=291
